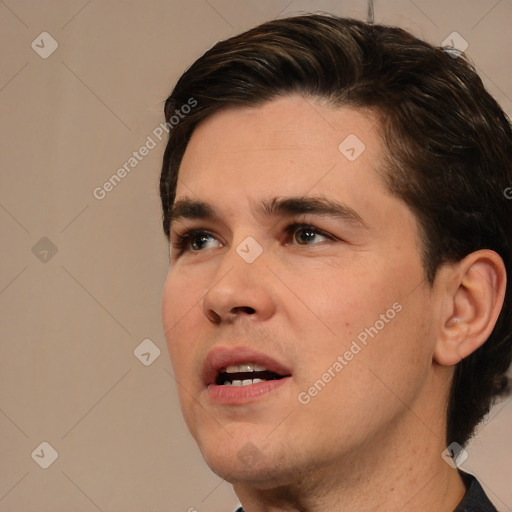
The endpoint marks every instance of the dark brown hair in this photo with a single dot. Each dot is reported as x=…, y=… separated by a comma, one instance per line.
x=449, y=146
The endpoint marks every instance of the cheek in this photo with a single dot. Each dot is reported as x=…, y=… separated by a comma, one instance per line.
x=180, y=304
x=347, y=297
x=181, y=292
x=379, y=379
x=369, y=313
x=397, y=357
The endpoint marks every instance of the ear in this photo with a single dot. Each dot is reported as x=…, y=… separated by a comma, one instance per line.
x=471, y=291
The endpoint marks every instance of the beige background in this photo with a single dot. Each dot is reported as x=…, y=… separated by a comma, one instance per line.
x=72, y=320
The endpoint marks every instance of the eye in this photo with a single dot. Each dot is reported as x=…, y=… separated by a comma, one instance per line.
x=194, y=241
x=307, y=235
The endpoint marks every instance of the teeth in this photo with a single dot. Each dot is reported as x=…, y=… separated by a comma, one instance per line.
x=245, y=367
x=246, y=382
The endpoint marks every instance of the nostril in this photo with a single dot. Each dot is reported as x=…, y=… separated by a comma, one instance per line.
x=243, y=309
x=213, y=316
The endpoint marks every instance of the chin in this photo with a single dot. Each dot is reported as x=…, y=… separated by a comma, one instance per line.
x=242, y=462
x=234, y=459
x=260, y=476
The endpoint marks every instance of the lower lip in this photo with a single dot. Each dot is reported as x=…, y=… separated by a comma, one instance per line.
x=239, y=395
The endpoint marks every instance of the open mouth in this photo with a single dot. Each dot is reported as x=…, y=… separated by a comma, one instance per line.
x=245, y=374
x=238, y=376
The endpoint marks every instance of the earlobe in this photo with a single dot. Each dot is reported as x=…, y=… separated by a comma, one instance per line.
x=472, y=294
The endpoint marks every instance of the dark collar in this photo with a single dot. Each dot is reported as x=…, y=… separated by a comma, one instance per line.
x=475, y=499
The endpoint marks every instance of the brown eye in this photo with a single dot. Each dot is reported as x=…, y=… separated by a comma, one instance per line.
x=195, y=241
x=308, y=235
x=200, y=241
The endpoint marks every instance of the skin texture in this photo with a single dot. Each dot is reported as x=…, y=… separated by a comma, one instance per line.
x=372, y=437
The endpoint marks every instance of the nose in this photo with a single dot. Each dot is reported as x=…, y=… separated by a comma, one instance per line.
x=239, y=290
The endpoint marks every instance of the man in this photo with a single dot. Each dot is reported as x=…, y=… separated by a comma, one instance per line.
x=337, y=309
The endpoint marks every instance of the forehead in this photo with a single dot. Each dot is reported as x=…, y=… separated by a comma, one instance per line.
x=290, y=146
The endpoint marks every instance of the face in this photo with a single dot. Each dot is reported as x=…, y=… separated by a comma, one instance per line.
x=295, y=307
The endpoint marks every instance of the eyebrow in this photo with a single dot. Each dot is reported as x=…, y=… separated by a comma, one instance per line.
x=312, y=205
x=191, y=209
x=289, y=206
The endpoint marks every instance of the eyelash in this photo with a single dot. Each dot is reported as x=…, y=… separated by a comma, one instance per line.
x=182, y=240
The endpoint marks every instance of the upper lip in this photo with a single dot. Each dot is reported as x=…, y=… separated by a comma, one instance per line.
x=221, y=357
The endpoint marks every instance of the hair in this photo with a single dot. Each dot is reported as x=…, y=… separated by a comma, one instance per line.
x=448, y=147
